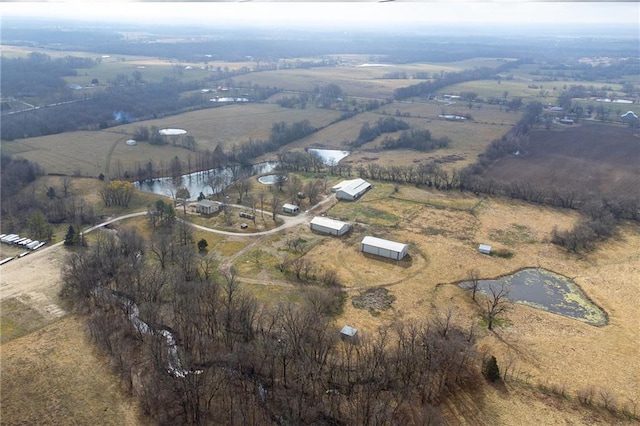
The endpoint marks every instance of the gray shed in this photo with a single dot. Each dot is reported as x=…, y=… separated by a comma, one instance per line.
x=384, y=248
x=291, y=209
x=348, y=331
x=208, y=207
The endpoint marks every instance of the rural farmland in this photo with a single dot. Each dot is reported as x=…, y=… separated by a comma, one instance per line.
x=469, y=256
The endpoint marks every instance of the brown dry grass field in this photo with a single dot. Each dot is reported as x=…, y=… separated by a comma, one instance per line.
x=545, y=348
x=582, y=157
x=54, y=376
x=89, y=153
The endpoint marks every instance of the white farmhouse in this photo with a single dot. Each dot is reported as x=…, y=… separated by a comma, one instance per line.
x=329, y=226
x=384, y=248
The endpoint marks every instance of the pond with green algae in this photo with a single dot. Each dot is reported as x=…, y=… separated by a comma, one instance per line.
x=546, y=290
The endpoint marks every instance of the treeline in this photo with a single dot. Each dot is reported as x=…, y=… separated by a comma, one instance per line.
x=384, y=125
x=40, y=76
x=115, y=105
x=417, y=139
x=281, y=134
x=443, y=80
x=426, y=88
x=238, y=361
x=34, y=212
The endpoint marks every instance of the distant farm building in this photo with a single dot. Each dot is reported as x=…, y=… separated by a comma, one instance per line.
x=291, y=209
x=351, y=189
x=208, y=207
x=629, y=117
x=384, y=248
x=450, y=117
x=329, y=226
x=348, y=333
x=484, y=249
x=131, y=142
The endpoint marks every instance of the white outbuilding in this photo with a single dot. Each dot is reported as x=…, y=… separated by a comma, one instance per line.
x=384, y=248
x=484, y=249
x=351, y=189
x=329, y=226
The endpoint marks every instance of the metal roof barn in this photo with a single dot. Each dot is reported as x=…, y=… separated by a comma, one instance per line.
x=351, y=189
x=329, y=226
x=384, y=248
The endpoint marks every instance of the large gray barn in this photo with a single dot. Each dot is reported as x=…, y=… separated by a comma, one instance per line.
x=329, y=226
x=384, y=248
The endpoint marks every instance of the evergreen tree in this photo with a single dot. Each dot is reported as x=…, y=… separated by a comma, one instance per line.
x=491, y=370
x=70, y=238
x=202, y=244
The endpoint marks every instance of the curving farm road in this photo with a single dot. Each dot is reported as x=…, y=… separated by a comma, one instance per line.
x=34, y=279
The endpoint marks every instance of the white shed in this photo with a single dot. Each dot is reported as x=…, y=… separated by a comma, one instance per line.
x=329, y=226
x=351, y=189
x=348, y=331
x=484, y=249
x=291, y=209
x=384, y=248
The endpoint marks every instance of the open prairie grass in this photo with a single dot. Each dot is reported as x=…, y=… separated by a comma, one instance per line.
x=55, y=376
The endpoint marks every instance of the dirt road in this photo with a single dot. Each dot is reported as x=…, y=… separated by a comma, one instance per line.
x=35, y=279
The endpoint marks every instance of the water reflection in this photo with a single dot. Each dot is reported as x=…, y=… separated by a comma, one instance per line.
x=207, y=182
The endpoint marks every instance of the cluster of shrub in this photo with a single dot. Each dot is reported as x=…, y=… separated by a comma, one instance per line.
x=384, y=125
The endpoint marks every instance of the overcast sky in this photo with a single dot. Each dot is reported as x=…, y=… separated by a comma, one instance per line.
x=371, y=12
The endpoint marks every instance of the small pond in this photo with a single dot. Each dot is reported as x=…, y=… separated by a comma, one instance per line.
x=198, y=182
x=546, y=290
x=329, y=156
x=268, y=179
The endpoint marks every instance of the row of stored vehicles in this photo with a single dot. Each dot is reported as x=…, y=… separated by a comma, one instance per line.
x=17, y=240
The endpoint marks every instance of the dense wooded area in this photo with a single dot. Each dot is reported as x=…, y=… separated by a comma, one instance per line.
x=239, y=361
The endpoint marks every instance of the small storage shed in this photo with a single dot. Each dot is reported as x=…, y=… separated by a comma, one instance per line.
x=291, y=209
x=384, y=248
x=351, y=189
x=348, y=333
x=208, y=207
x=484, y=249
x=329, y=226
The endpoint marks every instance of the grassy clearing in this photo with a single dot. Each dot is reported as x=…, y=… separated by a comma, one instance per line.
x=18, y=319
x=54, y=376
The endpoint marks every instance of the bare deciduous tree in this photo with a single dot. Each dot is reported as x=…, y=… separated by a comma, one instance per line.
x=496, y=303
